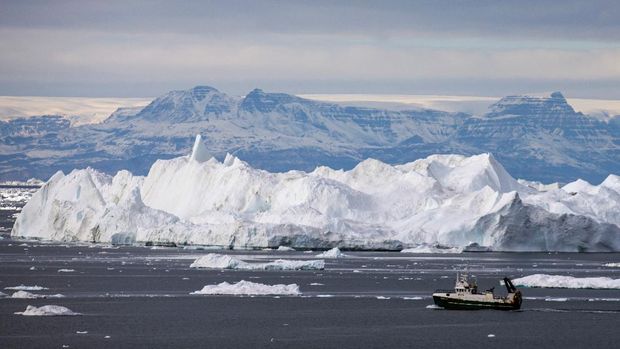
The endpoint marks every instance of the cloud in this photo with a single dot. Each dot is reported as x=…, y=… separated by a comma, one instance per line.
x=133, y=45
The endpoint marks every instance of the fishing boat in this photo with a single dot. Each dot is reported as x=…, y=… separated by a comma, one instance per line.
x=466, y=296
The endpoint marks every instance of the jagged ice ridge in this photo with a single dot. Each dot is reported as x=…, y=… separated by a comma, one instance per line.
x=449, y=200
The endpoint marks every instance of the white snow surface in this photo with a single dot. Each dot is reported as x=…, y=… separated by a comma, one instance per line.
x=222, y=261
x=249, y=288
x=450, y=200
x=333, y=253
x=47, y=310
x=560, y=281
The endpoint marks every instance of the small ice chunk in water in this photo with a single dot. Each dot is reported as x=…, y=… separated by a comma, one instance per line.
x=223, y=261
x=550, y=299
x=47, y=310
x=66, y=270
x=490, y=335
x=249, y=288
x=561, y=281
x=26, y=288
x=333, y=253
x=26, y=295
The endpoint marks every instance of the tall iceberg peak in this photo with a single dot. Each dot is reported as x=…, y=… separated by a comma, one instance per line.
x=199, y=151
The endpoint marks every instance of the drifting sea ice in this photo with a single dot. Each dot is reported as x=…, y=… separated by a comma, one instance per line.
x=26, y=295
x=560, y=281
x=333, y=253
x=222, y=261
x=247, y=288
x=424, y=248
x=26, y=288
x=612, y=265
x=47, y=310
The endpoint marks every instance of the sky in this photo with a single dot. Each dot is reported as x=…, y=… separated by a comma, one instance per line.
x=146, y=48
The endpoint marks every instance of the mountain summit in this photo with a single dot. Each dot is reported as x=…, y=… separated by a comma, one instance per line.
x=538, y=137
x=552, y=105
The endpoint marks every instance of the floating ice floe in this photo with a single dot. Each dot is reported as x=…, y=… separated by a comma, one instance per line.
x=222, y=261
x=66, y=270
x=285, y=248
x=555, y=299
x=560, y=281
x=47, y=310
x=249, y=288
x=424, y=248
x=3, y=295
x=26, y=295
x=26, y=288
x=333, y=253
x=612, y=265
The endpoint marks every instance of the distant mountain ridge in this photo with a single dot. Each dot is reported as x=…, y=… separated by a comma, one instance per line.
x=539, y=138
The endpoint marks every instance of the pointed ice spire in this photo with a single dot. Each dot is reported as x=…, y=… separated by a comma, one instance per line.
x=200, y=152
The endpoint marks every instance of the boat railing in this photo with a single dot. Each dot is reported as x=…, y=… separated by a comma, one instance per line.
x=445, y=291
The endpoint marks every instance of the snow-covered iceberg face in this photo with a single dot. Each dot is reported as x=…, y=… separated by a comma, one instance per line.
x=449, y=200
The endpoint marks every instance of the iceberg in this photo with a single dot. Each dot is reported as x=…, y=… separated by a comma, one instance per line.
x=333, y=253
x=47, y=310
x=221, y=261
x=26, y=295
x=248, y=288
x=447, y=200
x=26, y=288
x=560, y=281
x=424, y=248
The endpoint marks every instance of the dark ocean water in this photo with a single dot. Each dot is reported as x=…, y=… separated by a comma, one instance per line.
x=139, y=298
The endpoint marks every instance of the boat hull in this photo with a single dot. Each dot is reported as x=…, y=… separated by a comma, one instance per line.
x=468, y=304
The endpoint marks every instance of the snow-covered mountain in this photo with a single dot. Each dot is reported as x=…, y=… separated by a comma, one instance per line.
x=539, y=138
x=450, y=200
